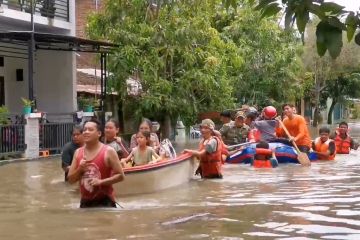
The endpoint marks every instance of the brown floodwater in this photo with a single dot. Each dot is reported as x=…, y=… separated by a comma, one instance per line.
x=289, y=202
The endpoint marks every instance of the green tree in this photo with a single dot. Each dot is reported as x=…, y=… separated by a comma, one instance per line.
x=181, y=60
x=270, y=73
x=333, y=20
x=339, y=89
x=330, y=28
x=329, y=78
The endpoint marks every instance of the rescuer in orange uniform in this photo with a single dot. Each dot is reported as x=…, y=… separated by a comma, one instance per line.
x=323, y=146
x=342, y=139
x=210, y=151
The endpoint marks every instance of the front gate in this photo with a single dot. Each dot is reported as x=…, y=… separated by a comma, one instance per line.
x=12, y=139
x=53, y=136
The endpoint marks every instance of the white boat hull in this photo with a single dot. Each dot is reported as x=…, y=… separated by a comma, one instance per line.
x=155, y=177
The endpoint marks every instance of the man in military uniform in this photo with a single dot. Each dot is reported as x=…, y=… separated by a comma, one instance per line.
x=235, y=132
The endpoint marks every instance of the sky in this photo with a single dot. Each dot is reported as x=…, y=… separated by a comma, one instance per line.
x=350, y=5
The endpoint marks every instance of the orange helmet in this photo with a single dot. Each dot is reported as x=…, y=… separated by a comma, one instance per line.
x=270, y=112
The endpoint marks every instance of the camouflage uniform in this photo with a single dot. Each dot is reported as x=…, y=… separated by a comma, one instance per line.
x=232, y=134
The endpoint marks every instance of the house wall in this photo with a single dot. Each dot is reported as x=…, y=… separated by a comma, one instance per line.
x=14, y=90
x=54, y=87
x=83, y=9
x=54, y=71
x=86, y=60
x=339, y=112
x=54, y=76
x=10, y=17
x=13, y=19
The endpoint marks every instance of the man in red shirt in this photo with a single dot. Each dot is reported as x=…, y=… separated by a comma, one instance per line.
x=97, y=167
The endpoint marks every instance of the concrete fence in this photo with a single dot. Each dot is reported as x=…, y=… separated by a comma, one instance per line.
x=30, y=138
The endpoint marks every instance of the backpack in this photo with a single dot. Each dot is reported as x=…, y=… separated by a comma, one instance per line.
x=167, y=149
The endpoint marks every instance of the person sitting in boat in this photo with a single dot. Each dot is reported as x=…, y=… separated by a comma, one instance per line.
x=235, y=132
x=146, y=126
x=264, y=157
x=297, y=128
x=247, y=109
x=342, y=139
x=110, y=138
x=225, y=117
x=142, y=154
x=253, y=132
x=209, y=151
x=266, y=125
x=323, y=146
x=279, y=130
x=68, y=151
x=250, y=118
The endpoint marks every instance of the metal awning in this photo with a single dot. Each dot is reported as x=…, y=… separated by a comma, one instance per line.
x=92, y=89
x=47, y=41
x=16, y=42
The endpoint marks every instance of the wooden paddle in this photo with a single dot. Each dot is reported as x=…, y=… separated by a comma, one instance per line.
x=302, y=157
x=239, y=145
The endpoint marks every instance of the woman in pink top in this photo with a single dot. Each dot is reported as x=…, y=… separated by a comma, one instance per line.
x=146, y=126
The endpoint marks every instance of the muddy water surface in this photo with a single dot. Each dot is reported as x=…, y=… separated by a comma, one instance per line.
x=290, y=202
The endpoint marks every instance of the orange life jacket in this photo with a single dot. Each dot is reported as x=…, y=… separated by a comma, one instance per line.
x=342, y=145
x=278, y=132
x=266, y=163
x=254, y=135
x=323, y=147
x=211, y=163
x=224, y=151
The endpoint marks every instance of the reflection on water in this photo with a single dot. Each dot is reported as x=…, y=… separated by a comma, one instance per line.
x=289, y=202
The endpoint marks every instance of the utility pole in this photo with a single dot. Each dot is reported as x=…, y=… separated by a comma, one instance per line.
x=31, y=49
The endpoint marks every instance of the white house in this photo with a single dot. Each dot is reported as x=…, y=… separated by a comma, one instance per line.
x=38, y=47
x=54, y=71
x=53, y=85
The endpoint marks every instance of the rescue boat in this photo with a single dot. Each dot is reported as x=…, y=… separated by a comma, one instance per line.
x=158, y=176
x=284, y=154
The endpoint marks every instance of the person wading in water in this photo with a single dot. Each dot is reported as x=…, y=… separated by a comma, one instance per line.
x=209, y=152
x=111, y=138
x=97, y=167
x=343, y=140
x=69, y=149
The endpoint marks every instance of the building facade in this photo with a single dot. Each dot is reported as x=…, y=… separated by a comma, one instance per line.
x=54, y=72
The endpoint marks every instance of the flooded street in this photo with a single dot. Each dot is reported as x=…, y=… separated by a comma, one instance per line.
x=321, y=202
x=289, y=202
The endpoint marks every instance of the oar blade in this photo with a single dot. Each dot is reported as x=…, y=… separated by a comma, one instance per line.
x=236, y=146
x=304, y=159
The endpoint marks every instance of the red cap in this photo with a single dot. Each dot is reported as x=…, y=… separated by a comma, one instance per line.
x=270, y=112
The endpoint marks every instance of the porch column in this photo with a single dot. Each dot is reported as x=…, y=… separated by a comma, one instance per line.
x=31, y=49
x=32, y=137
x=103, y=80
x=31, y=46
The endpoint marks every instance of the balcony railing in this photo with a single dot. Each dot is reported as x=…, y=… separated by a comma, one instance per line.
x=58, y=9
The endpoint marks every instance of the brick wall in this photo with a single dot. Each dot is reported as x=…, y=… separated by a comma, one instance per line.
x=83, y=9
x=85, y=60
